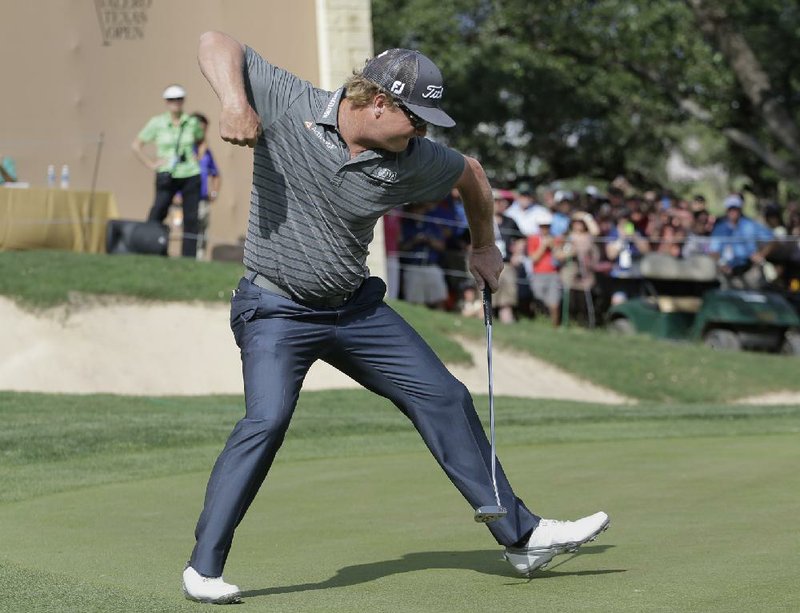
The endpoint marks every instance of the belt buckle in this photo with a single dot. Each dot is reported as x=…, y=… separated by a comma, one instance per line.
x=346, y=297
x=334, y=302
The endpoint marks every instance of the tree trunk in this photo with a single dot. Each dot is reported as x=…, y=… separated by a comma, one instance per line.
x=713, y=21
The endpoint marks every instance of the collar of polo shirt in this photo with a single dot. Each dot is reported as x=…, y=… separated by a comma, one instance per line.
x=329, y=116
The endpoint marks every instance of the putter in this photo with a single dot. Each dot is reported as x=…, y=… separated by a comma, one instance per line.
x=490, y=513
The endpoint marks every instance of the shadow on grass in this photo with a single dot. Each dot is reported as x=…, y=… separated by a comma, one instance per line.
x=487, y=562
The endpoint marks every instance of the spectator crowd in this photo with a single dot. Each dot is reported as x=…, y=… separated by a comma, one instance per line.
x=574, y=253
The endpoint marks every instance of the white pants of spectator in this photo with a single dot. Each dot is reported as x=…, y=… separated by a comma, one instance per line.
x=547, y=288
x=424, y=284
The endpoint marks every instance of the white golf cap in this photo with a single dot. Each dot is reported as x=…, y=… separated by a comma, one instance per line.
x=542, y=217
x=562, y=194
x=733, y=201
x=174, y=91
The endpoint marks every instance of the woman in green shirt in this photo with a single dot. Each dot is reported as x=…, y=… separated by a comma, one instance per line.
x=174, y=135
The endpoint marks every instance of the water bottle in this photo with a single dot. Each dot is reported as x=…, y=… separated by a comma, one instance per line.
x=727, y=253
x=626, y=257
x=51, y=176
x=65, y=177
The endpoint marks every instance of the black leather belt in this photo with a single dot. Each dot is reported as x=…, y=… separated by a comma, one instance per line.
x=327, y=302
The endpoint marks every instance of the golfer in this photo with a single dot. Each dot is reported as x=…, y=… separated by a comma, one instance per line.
x=327, y=166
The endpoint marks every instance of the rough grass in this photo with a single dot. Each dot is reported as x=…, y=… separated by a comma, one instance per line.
x=47, y=278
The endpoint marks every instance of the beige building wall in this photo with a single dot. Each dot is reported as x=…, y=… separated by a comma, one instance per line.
x=76, y=69
x=344, y=35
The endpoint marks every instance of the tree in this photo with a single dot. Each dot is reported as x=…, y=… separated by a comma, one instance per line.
x=768, y=127
x=599, y=87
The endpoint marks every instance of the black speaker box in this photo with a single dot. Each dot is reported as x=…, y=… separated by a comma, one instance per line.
x=128, y=236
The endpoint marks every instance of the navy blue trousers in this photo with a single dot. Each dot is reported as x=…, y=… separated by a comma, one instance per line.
x=279, y=340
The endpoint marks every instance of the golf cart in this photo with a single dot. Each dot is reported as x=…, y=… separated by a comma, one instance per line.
x=788, y=283
x=682, y=299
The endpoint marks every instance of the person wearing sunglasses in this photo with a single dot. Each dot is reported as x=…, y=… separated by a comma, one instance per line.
x=417, y=122
x=175, y=135
x=326, y=167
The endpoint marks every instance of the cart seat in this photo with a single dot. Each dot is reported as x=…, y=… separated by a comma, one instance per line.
x=700, y=268
x=679, y=304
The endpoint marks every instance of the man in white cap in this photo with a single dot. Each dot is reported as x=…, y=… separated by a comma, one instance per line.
x=327, y=166
x=524, y=209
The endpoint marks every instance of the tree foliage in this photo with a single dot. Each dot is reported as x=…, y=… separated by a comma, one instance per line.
x=597, y=87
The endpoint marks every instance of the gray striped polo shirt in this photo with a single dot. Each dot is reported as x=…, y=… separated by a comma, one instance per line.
x=313, y=210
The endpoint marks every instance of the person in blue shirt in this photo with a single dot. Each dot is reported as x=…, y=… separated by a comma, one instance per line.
x=740, y=245
x=625, y=247
x=210, y=181
x=453, y=226
x=562, y=215
x=421, y=247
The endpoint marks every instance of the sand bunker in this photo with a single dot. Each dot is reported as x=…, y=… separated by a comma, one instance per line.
x=187, y=349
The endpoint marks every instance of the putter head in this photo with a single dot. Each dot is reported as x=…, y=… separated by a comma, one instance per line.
x=490, y=513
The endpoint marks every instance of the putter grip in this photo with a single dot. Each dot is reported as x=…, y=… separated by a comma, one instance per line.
x=487, y=305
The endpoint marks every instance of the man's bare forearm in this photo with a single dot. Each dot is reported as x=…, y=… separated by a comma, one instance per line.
x=485, y=261
x=221, y=60
x=477, y=196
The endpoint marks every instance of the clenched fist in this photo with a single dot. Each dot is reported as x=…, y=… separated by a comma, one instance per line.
x=240, y=125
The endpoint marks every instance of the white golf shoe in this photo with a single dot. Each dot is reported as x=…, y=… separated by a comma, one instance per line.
x=552, y=537
x=212, y=590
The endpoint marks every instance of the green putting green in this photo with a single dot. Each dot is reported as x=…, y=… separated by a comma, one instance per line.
x=698, y=524
x=99, y=493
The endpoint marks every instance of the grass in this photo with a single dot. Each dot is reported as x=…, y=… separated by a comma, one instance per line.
x=52, y=443
x=100, y=493
x=48, y=278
